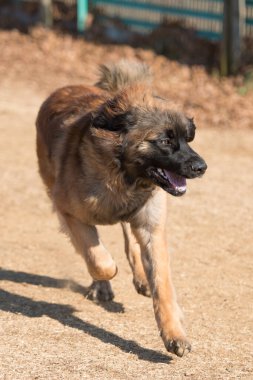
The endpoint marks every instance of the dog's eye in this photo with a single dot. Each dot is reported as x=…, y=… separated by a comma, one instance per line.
x=165, y=141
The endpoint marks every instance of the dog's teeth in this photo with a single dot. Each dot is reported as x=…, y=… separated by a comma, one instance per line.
x=181, y=189
x=164, y=175
x=161, y=172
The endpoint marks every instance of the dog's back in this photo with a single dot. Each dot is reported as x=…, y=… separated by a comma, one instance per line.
x=57, y=115
x=60, y=112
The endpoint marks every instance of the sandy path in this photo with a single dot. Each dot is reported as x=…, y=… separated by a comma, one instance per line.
x=50, y=331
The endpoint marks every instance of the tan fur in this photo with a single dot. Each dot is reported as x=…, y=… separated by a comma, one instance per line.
x=79, y=166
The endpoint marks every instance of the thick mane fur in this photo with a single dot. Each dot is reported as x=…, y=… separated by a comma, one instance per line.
x=116, y=77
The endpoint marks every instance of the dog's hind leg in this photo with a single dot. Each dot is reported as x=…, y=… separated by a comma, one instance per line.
x=133, y=253
x=87, y=242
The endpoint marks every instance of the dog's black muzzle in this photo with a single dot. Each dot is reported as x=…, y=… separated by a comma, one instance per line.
x=189, y=163
x=193, y=167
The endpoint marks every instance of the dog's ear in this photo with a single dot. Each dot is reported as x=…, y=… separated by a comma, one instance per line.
x=191, y=127
x=114, y=116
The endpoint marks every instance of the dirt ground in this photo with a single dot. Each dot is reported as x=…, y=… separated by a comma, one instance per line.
x=49, y=330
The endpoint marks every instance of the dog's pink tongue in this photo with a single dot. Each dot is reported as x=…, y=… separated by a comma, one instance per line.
x=176, y=180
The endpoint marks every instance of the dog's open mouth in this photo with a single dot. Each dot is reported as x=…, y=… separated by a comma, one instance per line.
x=171, y=182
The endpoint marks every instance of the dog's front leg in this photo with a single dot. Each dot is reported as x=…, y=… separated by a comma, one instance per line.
x=87, y=242
x=149, y=230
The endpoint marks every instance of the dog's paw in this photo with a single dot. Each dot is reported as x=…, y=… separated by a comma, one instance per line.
x=100, y=291
x=179, y=347
x=142, y=288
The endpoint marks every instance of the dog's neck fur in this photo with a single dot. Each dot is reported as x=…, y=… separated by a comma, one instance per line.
x=120, y=197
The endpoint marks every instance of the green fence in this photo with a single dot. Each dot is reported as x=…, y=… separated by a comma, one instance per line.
x=228, y=20
x=206, y=16
x=249, y=18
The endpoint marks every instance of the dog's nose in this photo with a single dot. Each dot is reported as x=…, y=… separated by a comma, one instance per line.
x=199, y=167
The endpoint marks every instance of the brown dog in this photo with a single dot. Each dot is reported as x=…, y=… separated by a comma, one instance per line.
x=105, y=154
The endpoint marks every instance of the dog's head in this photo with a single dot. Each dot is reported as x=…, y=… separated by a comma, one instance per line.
x=152, y=142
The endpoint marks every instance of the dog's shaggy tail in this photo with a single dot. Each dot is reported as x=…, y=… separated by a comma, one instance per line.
x=115, y=77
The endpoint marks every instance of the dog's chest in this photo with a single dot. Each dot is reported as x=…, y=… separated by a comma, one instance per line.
x=111, y=207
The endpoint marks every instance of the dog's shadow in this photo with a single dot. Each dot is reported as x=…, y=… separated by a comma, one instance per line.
x=64, y=314
x=58, y=283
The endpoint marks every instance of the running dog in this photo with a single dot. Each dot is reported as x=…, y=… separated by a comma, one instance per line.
x=111, y=153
